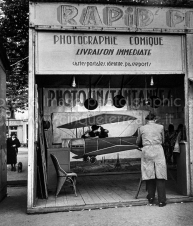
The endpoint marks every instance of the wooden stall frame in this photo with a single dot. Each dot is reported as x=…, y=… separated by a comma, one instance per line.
x=187, y=43
x=31, y=187
x=189, y=105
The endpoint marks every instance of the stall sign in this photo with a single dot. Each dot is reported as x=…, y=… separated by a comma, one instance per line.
x=72, y=100
x=88, y=53
x=111, y=17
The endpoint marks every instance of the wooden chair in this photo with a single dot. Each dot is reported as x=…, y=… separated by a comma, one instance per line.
x=63, y=176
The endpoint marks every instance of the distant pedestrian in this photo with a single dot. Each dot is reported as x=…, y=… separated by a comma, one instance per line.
x=12, y=150
x=153, y=163
x=170, y=139
x=180, y=135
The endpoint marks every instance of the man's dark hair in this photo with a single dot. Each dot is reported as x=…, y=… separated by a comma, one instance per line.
x=150, y=116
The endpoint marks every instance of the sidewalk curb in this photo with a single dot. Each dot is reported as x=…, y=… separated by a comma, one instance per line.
x=17, y=183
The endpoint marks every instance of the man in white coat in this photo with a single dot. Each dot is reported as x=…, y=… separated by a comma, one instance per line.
x=153, y=163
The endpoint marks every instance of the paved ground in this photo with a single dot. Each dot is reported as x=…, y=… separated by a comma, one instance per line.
x=13, y=212
x=21, y=157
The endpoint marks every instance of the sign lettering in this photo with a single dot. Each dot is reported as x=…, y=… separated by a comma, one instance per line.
x=133, y=16
x=112, y=17
x=67, y=98
x=75, y=52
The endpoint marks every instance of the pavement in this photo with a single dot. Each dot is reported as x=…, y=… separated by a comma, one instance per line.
x=13, y=177
x=13, y=210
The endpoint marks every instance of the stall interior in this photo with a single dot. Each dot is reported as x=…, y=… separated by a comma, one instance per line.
x=67, y=94
x=64, y=110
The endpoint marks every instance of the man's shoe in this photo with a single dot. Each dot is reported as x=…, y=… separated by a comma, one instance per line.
x=151, y=200
x=162, y=204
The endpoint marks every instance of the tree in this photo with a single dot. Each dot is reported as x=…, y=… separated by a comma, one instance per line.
x=14, y=25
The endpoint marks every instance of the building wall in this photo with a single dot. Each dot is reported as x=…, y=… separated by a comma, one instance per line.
x=3, y=151
x=18, y=127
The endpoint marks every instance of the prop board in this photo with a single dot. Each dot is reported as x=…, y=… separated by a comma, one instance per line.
x=125, y=128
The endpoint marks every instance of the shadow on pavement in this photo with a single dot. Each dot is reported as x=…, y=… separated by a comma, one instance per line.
x=15, y=202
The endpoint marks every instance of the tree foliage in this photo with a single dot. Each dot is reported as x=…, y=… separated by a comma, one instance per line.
x=14, y=25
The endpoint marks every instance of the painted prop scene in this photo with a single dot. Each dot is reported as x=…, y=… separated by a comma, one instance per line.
x=104, y=139
x=93, y=131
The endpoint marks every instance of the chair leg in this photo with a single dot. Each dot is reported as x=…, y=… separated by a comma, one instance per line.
x=74, y=186
x=73, y=181
x=60, y=183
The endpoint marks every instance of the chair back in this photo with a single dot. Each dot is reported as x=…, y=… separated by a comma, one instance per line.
x=60, y=172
